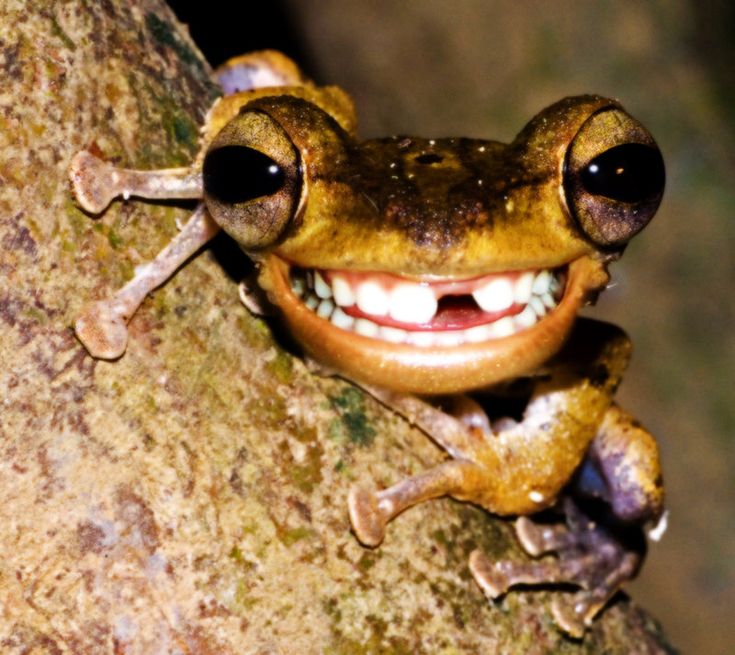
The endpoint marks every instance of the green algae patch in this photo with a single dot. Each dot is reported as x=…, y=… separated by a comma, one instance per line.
x=164, y=34
x=474, y=530
x=281, y=366
x=181, y=130
x=350, y=405
x=290, y=537
x=114, y=239
x=367, y=561
x=309, y=475
x=59, y=32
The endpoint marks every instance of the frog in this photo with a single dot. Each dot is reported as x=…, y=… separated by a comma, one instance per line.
x=444, y=277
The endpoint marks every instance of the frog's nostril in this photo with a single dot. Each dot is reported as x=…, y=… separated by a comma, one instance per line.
x=429, y=158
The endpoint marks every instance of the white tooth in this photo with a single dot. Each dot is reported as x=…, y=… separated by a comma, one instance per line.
x=522, y=288
x=421, y=339
x=541, y=283
x=312, y=302
x=323, y=290
x=372, y=298
x=325, y=308
x=342, y=320
x=366, y=328
x=548, y=300
x=343, y=294
x=537, y=305
x=478, y=334
x=449, y=339
x=503, y=327
x=394, y=335
x=526, y=318
x=555, y=284
x=412, y=303
x=298, y=285
x=495, y=296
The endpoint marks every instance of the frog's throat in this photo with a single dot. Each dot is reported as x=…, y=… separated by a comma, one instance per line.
x=378, y=329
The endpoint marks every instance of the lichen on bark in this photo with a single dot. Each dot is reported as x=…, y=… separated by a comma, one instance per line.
x=190, y=497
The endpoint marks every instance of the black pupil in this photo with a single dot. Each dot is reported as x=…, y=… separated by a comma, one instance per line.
x=632, y=172
x=236, y=174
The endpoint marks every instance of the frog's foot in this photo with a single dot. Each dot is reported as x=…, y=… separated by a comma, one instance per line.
x=588, y=555
x=102, y=326
x=102, y=329
x=95, y=182
x=367, y=517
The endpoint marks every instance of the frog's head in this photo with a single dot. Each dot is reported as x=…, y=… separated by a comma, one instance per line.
x=432, y=266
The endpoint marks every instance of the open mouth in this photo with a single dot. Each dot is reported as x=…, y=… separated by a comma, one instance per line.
x=431, y=313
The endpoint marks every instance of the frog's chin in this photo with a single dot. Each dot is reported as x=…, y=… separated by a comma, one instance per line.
x=398, y=334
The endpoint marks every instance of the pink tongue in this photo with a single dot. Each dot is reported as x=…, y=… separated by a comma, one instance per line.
x=454, y=313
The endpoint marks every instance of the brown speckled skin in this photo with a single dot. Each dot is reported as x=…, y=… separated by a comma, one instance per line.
x=373, y=206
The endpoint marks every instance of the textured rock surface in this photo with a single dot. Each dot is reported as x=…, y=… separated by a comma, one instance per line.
x=190, y=497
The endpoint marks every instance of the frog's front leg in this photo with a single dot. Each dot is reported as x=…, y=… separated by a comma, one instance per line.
x=102, y=325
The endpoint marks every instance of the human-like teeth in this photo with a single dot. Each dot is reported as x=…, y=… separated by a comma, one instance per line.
x=343, y=294
x=522, y=288
x=324, y=310
x=503, y=327
x=541, y=283
x=478, y=334
x=342, y=320
x=372, y=299
x=366, y=328
x=495, y=296
x=533, y=293
x=298, y=286
x=412, y=303
x=421, y=339
x=322, y=289
x=312, y=302
x=394, y=335
x=537, y=305
x=526, y=318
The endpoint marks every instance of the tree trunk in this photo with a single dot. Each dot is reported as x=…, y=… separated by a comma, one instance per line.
x=191, y=497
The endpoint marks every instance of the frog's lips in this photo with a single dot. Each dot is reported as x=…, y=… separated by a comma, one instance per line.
x=434, y=335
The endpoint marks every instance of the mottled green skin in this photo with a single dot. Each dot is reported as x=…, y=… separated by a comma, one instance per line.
x=195, y=477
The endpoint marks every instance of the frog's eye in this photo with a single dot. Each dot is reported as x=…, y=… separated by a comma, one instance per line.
x=236, y=174
x=614, y=177
x=251, y=179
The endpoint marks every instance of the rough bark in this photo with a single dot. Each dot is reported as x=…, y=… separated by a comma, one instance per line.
x=190, y=497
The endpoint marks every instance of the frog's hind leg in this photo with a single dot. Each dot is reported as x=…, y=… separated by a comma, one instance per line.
x=588, y=555
x=102, y=325
x=602, y=544
x=255, y=70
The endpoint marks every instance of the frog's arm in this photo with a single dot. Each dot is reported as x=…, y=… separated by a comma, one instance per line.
x=519, y=469
x=102, y=326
